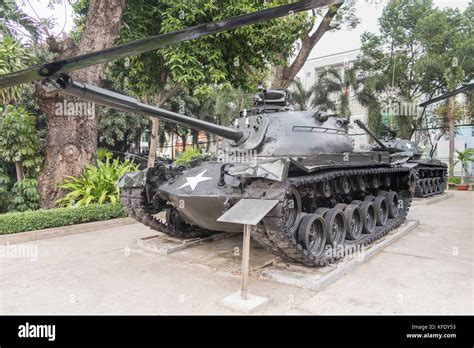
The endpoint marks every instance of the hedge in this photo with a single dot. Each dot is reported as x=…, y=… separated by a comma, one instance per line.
x=57, y=217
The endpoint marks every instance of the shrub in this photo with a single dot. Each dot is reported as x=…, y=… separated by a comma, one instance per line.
x=454, y=180
x=57, y=217
x=24, y=196
x=188, y=155
x=97, y=183
x=5, y=185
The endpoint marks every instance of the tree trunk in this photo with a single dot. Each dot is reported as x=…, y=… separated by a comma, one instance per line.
x=71, y=141
x=452, y=121
x=155, y=122
x=155, y=125
x=20, y=174
x=284, y=75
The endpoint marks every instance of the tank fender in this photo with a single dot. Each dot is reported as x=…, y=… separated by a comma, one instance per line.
x=275, y=169
x=132, y=179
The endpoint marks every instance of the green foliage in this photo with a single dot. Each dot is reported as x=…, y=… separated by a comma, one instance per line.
x=14, y=56
x=454, y=180
x=16, y=23
x=300, y=96
x=119, y=130
x=103, y=154
x=96, y=185
x=464, y=157
x=220, y=106
x=421, y=51
x=331, y=93
x=5, y=186
x=41, y=219
x=24, y=196
x=239, y=57
x=19, y=141
x=188, y=155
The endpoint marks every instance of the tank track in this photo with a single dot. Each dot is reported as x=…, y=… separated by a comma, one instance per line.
x=273, y=234
x=134, y=203
x=430, y=181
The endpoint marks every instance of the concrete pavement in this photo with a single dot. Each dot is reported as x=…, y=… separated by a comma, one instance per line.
x=428, y=271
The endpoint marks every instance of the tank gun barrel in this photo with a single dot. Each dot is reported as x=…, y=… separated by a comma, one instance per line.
x=101, y=96
x=372, y=135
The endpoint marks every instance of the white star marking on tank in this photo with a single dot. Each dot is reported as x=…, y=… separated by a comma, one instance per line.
x=192, y=181
x=408, y=146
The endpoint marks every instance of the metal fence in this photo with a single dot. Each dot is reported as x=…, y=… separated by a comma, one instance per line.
x=457, y=167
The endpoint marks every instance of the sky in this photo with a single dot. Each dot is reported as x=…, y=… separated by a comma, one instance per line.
x=368, y=12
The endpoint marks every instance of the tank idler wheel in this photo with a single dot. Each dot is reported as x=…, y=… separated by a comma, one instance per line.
x=381, y=208
x=353, y=215
x=344, y=184
x=335, y=226
x=312, y=233
x=369, y=216
x=391, y=198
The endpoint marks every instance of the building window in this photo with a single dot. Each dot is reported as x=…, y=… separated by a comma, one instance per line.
x=472, y=131
x=308, y=74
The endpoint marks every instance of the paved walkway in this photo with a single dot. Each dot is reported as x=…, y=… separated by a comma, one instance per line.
x=426, y=272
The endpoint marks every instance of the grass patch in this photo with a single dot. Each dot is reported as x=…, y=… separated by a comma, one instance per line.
x=57, y=217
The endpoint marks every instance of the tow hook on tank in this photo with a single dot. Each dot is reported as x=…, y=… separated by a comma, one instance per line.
x=223, y=172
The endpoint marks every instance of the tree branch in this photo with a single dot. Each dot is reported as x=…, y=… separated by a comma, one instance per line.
x=285, y=75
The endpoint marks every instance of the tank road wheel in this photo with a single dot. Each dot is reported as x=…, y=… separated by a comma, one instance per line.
x=360, y=183
x=430, y=185
x=335, y=226
x=369, y=216
x=391, y=199
x=312, y=233
x=344, y=185
x=424, y=186
x=381, y=208
x=353, y=215
x=439, y=185
x=293, y=210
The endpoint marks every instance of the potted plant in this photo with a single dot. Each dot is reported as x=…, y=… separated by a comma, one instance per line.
x=453, y=181
x=464, y=157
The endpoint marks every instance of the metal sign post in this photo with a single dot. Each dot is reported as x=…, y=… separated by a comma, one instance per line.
x=245, y=262
x=247, y=212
